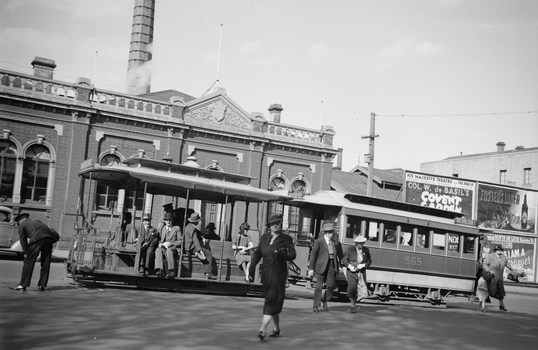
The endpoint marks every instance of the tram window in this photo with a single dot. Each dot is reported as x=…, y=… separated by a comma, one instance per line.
x=406, y=235
x=372, y=231
x=389, y=234
x=453, y=242
x=468, y=244
x=353, y=226
x=423, y=238
x=439, y=241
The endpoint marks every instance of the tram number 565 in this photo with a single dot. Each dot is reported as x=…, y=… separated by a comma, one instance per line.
x=413, y=260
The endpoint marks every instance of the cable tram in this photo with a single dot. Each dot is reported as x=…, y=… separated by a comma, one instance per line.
x=99, y=255
x=419, y=254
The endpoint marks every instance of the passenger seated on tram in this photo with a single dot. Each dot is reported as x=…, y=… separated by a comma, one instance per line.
x=242, y=249
x=390, y=236
x=193, y=245
x=171, y=239
x=149, y=240
x=126, y=227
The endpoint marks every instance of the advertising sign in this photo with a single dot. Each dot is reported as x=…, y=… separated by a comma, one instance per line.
x=504, y=208
x=520, y=252
x=440, y=192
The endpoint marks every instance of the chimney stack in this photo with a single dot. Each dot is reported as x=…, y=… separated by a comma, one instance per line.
x=139, y=70
x=339, y=159
x=43, y=67
x=274, y=111
x=500, y=147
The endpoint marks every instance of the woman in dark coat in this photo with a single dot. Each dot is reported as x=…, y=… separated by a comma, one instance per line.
x=276, y=248
x=495, y=263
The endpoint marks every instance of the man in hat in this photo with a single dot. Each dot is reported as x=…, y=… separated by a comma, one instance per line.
x=356, y=261
x=35, y=238
x=193, y=245
x=171, y=240
x=495, y=262
x=149, y=241
x=324, y=259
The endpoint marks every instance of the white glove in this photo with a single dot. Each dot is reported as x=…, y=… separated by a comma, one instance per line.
x=310, y=273
x=167, y=244
x=361, y=266
x=351, y=268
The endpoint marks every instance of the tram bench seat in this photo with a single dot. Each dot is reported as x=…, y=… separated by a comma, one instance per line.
x=192, y=267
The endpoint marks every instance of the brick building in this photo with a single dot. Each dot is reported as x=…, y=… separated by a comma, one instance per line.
x=49, y=128
x=506, y=167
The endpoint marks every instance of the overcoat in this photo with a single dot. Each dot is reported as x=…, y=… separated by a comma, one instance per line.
x=274, y=270
x=495, y=264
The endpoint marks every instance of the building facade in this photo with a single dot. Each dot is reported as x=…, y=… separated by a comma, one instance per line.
x=50, y=128
x=505, y=167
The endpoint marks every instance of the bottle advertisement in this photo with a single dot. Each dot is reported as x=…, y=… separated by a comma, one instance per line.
x=503, y=208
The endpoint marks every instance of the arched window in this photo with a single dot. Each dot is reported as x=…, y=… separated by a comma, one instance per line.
x=35, y=174
x=8, y=163
x=107, y=196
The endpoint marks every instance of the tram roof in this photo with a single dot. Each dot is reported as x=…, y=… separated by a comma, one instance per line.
x=389, y=207
x=202, y=183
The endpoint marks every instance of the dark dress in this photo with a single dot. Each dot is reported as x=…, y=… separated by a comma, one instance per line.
x=274, y=271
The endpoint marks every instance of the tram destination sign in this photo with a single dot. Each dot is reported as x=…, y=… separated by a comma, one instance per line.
x=439, y=192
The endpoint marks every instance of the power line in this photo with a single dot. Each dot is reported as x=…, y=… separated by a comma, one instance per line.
x=452, y=115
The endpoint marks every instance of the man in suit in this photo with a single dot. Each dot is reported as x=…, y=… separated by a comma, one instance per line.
x=356, y=261
x=35, y=238
x=149, y=240
x=324, y=259
x=171, y=240
x=194, y=246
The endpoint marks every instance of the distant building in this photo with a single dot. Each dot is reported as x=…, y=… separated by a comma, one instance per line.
x=387, y=183
x=504, y=167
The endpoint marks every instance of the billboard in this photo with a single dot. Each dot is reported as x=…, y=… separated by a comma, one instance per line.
x=520, y=252
x=440, y=192
x=505, y=208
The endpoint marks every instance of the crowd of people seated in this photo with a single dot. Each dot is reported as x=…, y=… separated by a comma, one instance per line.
x=160, y=246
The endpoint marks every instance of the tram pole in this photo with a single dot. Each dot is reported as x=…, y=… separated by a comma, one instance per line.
x=370, y=156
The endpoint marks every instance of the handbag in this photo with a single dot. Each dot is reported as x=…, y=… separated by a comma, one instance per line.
x=200, y=255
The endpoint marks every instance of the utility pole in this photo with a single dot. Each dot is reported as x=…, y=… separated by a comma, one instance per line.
x=370, y=156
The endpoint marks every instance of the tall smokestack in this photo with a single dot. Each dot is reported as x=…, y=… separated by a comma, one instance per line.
x=139, y=68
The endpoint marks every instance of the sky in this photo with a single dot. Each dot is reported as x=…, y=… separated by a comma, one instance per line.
x=443, y=77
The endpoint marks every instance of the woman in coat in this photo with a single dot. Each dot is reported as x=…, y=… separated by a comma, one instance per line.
x=495, y=263
x=276, y=248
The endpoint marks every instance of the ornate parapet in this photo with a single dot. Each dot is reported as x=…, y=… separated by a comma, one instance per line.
x=327, y=135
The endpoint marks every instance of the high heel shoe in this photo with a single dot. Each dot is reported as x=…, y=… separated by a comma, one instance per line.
x=261, y=335
x=275, y=333
x=502, y=308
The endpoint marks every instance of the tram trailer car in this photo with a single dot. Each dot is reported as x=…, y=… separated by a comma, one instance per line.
x=418, y=253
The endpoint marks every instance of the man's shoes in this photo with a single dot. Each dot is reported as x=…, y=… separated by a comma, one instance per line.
x=315, y=309
x=502, y=308
x=171, y=275
x=211, y=276
x=160, y=273
x=19, y=288
x=324, y=304
x=40, y=288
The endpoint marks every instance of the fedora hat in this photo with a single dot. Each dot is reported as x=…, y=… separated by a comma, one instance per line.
x=195, y=217
x=168, y=206
x=146, y=217
x=21, y=216
x=273, y=219
x=328, y=226
x=498, y=247
x=360, y=239
x=167, y=216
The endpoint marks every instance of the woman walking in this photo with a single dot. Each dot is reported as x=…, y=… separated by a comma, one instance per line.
x=495, y=263
x=276, y=248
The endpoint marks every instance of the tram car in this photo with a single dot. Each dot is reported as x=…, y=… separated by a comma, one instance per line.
x=103, y=253
x=418, y=253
